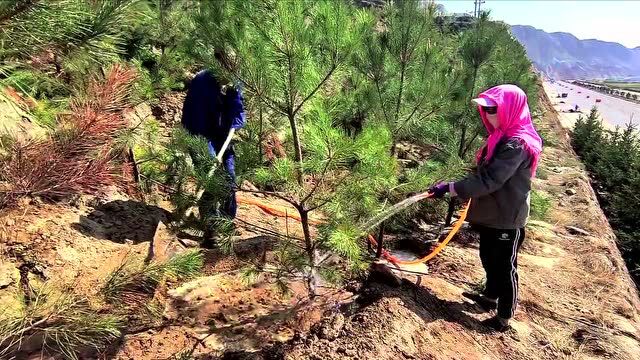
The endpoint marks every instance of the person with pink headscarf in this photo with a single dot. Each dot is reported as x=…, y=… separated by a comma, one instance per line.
x=500, y=189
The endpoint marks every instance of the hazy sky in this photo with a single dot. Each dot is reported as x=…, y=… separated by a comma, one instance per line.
x=617, y=21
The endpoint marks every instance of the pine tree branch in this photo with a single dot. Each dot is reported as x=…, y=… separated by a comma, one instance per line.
x=384, y=111
x=415, y=109
x=327, y=200
x=334, y=66
x=468, y=145
x=19, y=8
x=405, y=55
x=288, y=55
x=424, y=117
x=271, y=232
x=264, y=34
x=317, y=183
x=272, y=193
x=272, y=104
x=399, y=100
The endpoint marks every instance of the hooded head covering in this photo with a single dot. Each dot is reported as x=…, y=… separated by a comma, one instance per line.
x=514, y=121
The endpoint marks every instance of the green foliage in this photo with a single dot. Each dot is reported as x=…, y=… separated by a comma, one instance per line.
x=344, y=241
x=613, y=161
x=149, y=154
x=345, y=86
x=157, y=44
x=477, y=45
x=540, y=205
x=132, y=284
x=101, y=41
x=292, y=57
x=489, y=56
x=66, y=37
x=407, y=68
x=33, y=26
x=181, y=167
x=48, y=48
x=64, y=323
x=36, y=84
x=549, y=137
x=46, y=112
x=279, y=174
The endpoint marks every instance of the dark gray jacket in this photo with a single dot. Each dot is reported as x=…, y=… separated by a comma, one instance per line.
x=500, y=188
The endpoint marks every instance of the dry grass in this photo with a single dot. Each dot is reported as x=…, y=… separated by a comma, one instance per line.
x=133, y=284
x=56, y=323
x=77, y=157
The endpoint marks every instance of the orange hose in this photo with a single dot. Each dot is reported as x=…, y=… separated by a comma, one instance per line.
x=282, y=211
x=452, y=233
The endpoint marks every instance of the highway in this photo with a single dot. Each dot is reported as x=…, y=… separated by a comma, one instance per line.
x=613, y=110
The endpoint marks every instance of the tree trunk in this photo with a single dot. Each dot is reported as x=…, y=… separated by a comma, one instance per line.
x=311, y=253
x=394, y=154
x=260, y=132
x=296, y=144
x=134, y=166
x=463, y=136
x=450, y=211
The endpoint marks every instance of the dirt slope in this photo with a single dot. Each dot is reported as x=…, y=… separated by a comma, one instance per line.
x=577, y=300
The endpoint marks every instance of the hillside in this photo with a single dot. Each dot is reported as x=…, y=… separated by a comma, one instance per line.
x=577, y=300
x=563, y=56
x=128, y=232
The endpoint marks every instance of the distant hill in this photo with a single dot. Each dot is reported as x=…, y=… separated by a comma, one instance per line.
x=563, y=56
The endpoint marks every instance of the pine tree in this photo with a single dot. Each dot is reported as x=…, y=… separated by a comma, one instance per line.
x=588, y=136
x=613, y=160
x=475, y=50
x=408, y=71
x=65, y=38
x=79, y=156
x=291, y=57
x=158, y=44
x=409, y=82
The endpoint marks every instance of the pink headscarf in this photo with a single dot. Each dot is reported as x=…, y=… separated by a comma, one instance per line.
x=515, y=122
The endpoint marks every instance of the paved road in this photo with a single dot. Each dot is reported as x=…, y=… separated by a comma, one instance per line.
x=613, y=110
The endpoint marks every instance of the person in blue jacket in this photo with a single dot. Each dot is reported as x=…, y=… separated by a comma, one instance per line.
x=215, y=111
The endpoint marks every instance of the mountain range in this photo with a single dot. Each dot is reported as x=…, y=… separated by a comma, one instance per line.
x=561, y=55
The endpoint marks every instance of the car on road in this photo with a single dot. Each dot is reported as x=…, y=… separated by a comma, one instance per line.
x=598, y=100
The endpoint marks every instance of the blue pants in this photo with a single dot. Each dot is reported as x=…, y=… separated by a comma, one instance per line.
x=229, y=207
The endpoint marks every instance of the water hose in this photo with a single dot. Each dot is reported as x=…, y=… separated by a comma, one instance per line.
x=281, y=211
x=456, y=227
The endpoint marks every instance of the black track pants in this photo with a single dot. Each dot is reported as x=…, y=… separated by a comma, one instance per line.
x=499, y=255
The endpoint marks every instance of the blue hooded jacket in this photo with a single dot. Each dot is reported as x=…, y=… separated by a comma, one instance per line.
x=208, y=112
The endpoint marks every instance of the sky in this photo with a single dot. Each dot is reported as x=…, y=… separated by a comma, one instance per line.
x=617, y=21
